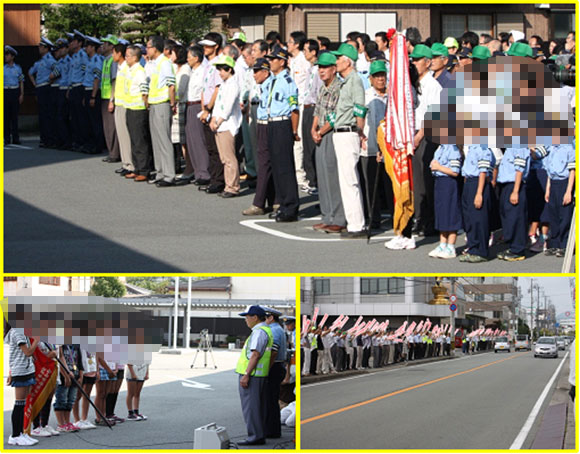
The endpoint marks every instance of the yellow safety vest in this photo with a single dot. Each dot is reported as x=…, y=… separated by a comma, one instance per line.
x=133, y=102
x=120, y=90
x=106, y=85
x=158, y=95
x=263, y=367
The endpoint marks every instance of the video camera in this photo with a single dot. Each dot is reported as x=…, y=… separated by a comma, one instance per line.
x=564, y=76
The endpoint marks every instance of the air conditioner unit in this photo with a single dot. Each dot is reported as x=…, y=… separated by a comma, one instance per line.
x=211, y=437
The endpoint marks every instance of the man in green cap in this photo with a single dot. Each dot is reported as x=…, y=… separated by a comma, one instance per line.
x=348, y=123
x=439, y=63
x=480, y=53
x=376, y=103
x=520, y=50
x=108, y=76
x=333, y=220
x=423, y=183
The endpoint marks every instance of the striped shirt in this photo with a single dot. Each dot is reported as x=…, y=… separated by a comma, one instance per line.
x=20, y=364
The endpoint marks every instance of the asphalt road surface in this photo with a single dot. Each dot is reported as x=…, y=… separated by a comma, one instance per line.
x=69, y=212
x=476, y=402
x=174, y=409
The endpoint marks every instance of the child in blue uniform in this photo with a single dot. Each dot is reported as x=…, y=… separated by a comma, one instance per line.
x=535, y=192
x=476, y=202
x=561, y=169
x=446, y=166
x=512, y=174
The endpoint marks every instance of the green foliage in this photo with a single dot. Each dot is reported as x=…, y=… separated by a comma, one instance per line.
x=523, y=328
x=90, y=19
x=109, y=287
x=186, y=22
x=158, y=285
x=141, y=21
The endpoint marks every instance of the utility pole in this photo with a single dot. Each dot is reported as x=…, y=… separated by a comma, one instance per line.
x=176, y=313
x=188, y=320
x=538, y=311
x=532, y=309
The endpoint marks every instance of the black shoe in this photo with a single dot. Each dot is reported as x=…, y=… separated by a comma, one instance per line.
x=551, y=251
x=228, y=195
x=153, y=181
x=182, y=181
x=124, y=172
x=203, y=187
x=509, y=256
x=164, y=184
x=353, y=235
x=283, y=217
x=211, y=189
x=120, y=170
x=560, y=252
x=108, y=159
x=273, y=214
x=200, y=182
x=251, y=443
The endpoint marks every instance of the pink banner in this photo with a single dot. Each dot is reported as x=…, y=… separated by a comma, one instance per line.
x=315, y=315
x=323, y=321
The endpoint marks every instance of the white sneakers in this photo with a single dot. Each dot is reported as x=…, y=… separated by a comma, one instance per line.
x=51, y=430
x=539, y=245
x=400, y=242
x=22, y=440
x=443, y=251
x=41, y=432
x=84, y=425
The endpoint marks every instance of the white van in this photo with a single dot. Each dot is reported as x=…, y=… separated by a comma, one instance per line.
x=522, y=342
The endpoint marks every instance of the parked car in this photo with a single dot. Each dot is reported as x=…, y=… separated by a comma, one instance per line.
x=546, y=346
x=522, y=342
x=502, y=344
x=561, y=342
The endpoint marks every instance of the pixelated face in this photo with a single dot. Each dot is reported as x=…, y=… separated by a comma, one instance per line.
x=502, y=102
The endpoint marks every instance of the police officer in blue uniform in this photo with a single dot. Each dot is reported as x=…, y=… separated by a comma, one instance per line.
x=42, y=74
x=513, y=206
x=13, y=95
x=63, y=62
x=277, y=373
x=78, y=66
x=476, y=202
x=280, y=95
x=561, y=169
x=94, y=138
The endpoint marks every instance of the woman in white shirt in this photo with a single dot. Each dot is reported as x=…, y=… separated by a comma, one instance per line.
x=225, y=122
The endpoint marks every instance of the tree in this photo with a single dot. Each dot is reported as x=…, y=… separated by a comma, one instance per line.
x=142, y=20
x=110, y=287
x=188, y=22
x=523, y=328
x=91, y=19
x=158, y=285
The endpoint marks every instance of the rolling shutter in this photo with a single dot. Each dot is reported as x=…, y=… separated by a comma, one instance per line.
x=323, y=24
x=271, y=23
x=510, y=21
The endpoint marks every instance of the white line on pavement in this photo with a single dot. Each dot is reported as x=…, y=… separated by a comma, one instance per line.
x=254, y=224
x=18, y=146
x=521, y=438
x=193, y=384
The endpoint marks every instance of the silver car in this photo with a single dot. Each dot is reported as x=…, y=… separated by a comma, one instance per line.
x=502, y=344
x=546, y=346
x=561, y=342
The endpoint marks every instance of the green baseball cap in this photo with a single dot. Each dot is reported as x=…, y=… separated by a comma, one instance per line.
x=110, y=39
x=421, y=51
x=239, y=35
x=326, y=59
x=225, y=60
x=480, y=53
x=378, y=66
x=451, y=42
x=347, y=50
x=439, y=50
x=520, y=50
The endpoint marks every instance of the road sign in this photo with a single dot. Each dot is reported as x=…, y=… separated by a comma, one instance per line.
x=453, y=298
x=557, y=325
x=453, y=307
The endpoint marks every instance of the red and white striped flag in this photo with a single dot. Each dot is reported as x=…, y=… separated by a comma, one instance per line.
x=315, y=316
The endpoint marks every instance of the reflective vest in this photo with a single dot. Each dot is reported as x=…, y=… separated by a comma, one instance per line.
x=464, y=341
x=120, y=89
x=429, y=340
x=425, y=339
x=133, y=101
x=314, y=343
x=263, y=366
x=106, y=85
x=158, y=95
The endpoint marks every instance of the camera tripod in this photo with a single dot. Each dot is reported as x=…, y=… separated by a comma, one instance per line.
x=205, y=345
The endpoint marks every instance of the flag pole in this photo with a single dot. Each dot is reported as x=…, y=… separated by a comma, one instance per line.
x=373, y=202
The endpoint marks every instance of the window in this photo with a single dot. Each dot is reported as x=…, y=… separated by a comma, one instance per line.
x=497, y=314
x=369, y=23
x=456, y=24
x=382, y=286
x=253, y=27
x=322, y=287
x=563, y=23
x=10, y=278
x=49, y=281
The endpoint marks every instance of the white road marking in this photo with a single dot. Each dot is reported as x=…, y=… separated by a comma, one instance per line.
x=521, y=438
x=193, y=384
x=254, y=224
x=19, y=146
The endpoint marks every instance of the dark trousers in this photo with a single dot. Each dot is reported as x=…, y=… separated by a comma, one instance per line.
x=476, y=221
x=78, y=115
x=272, y=416
x=280, y=144
x=514, y=218
x=41, y=419
x=141, y=148
x=309, y=147
x=369, y=165
x=560, y=215
x=423, y=185
x=45, y=114
x=340, y=359
x=11, y=108
x=265, y=191
x=94, y=139
x=109, y=130
x=216, y=168
x=366, y=356
x=62, y=119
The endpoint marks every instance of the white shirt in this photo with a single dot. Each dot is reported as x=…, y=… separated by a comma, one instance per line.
x=182, y=81
x=299, y=71
x=195, y=85
x=430, y=91
x=227, y=106
x=240, y=70
x=313, y=84
x=362, y=65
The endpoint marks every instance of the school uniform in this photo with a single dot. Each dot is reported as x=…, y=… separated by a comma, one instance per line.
x=514, y=218
x=536, y=186
x=78, y=113
x=559, y=163
x=13, y=77
x=447, y=201
x=476, y=221
x=42, y=70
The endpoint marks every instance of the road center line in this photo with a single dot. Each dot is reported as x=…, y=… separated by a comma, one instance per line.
x=521, y=438
x=410, y=388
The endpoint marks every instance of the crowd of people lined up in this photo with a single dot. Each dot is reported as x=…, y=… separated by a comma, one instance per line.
x=307, y=120
x=327, y=350
x=34, y=362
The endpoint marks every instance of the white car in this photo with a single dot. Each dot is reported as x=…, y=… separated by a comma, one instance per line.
x=522, y=342
x=502, y=344
x=546, y=346
x=561, y=342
